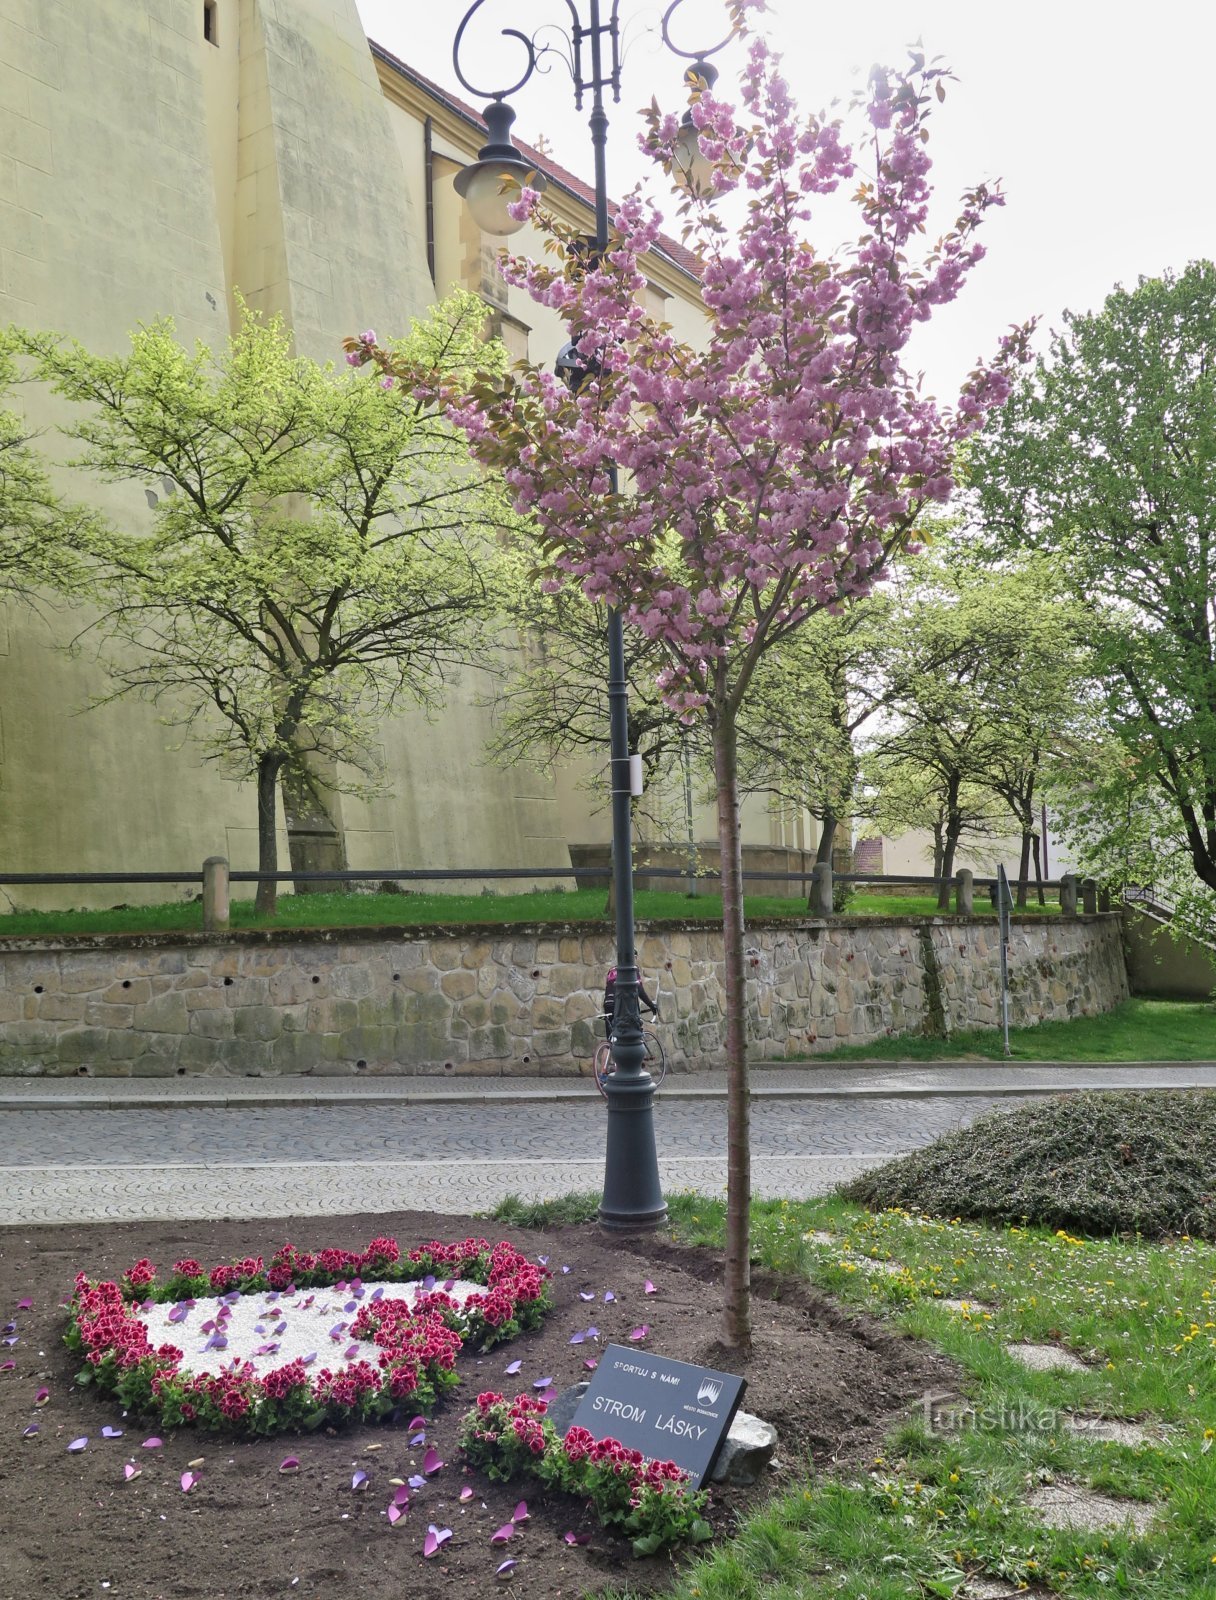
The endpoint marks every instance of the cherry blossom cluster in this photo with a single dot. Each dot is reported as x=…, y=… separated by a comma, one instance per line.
x=771, y=472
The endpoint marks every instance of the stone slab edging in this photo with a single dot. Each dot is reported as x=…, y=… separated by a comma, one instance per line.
x=117, y=1094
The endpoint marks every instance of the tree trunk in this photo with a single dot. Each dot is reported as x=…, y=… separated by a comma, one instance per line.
x=949, y=851
x=827, y=838
x=1024, y=867
x=266, y=903
x=1038, y=868
x=736, y=1299
x=938, y=852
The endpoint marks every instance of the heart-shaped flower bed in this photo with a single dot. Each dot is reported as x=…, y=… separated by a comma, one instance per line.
x=310, y=1339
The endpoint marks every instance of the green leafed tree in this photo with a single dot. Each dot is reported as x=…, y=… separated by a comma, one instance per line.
x=553, y=707
x=40, y=532
x=322, y=554
x=985, y=674
x=1106, y=458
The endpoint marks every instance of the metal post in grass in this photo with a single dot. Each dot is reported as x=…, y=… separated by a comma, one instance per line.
x=1004, y=903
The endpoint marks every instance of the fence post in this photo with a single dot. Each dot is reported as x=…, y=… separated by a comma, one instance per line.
x=215, y=894
x=964, y=889
x=1089, y=897
x=1068, y=894
x=1104, y=898
x=820, y=903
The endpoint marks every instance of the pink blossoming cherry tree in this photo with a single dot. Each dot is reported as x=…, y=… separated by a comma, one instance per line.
x=767, y=473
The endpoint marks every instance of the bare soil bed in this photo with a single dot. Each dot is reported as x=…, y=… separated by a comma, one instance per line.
x=71, y=1526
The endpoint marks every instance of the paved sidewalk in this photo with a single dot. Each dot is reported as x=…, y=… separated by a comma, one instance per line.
x=880, y=1080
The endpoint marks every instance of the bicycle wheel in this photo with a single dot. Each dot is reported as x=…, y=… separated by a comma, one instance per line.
x=603, y=1066
x=656, y=1056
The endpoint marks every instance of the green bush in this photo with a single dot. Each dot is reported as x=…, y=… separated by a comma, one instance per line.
x=1100, y=1163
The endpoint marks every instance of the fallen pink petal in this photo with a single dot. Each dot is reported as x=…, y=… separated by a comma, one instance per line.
x=188, y=1482
x=395, y=1514
x=609, y=1297
x=24, y=1305
x=431, y=1462
x=7, y=1366
x=649, y=1288
x=577, y=1338
x=111, y=1433
x=577, y=1538
x=415, y=1423
x=548, y=1394
x=28, y=1433
x=289, y=1464
x=591, y=1365
x=152, y=1444
x=79, y=1444
x=435, y=1537
x=514, y=1368
x=466, y=1493
x=542, y=1383
x=520, y=1514
x=501, y=1535
x=359, y=1479
x=401, y=1497
x=506, y=1568
x=640, y=1333
x=584, y=1296
x=131, y=1471
x=416, y=1482
x=41, y=1398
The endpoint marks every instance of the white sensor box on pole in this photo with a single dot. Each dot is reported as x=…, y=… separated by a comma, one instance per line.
x=636, y=785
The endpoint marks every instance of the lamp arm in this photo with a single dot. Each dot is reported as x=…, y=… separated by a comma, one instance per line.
x=530, y=51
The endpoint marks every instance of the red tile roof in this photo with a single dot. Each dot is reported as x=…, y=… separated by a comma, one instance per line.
x=680, y=257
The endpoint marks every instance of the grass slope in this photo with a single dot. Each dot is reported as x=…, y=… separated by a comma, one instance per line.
x=415, y=910
x=935, y=1507
x=1141, y=1029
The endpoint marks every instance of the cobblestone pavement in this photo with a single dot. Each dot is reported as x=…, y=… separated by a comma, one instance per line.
x=318, y=1189
x=170, y=1136
x=191, y=1163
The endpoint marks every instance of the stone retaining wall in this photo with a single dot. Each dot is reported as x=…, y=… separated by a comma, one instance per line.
x=517, y=1000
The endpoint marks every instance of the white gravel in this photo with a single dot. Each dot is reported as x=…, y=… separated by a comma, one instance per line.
x=270, y=1329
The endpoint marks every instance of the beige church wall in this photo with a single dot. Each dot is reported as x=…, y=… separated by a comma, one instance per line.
x=264, y=161
x=911, y=855
x=105, y=220
x=326, y=229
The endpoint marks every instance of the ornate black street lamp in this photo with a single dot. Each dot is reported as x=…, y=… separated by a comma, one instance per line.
x=633, y=1196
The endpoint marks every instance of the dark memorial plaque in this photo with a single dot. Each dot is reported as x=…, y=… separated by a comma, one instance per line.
x=669, y=1410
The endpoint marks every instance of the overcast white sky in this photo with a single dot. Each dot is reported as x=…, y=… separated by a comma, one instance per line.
x=1098, y=116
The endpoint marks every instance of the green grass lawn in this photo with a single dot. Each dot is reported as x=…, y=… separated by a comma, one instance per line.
x=413, y=910
x=931, y=1508
x=1141, y=1029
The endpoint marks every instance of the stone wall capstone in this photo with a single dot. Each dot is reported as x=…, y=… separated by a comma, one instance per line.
x=522, y=1000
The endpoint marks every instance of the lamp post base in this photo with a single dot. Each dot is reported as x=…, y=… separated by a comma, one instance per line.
x=633, y=1196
